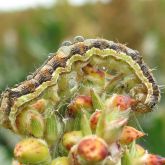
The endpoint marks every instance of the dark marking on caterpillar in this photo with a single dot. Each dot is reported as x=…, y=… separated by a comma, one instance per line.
x=60, y=58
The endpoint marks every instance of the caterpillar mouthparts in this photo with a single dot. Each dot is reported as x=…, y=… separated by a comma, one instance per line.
x=77, y=66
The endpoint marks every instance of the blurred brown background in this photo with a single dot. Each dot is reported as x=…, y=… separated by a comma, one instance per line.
x=27, y=36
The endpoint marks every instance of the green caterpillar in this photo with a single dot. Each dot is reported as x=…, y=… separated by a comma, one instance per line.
x=64, y=74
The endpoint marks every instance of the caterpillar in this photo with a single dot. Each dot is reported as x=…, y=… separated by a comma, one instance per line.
x=68, y=63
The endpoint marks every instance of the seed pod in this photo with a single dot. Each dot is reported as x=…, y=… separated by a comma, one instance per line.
x=130, y=134
x=149, y=159
x=111, y=122
x=113, y=130
x=32, y=151
x=123, y=102
x=51, y=130
x=94, y=119
x=71, y=138
x=96, y=100
x=92, y=149
x=95, y=75
x=39, y=105
x=60, y=161
x=85, y=125
x=80, y=102
x=73, y=156
x=30, y=122
x=126, y=158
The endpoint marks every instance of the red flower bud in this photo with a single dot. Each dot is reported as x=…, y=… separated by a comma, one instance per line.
x=150, y=159
x=94, y=119
x=92, y=149
x=130, y=134
x=79, y=102
x=39, y=105
x=123, y=102
x=93, y=71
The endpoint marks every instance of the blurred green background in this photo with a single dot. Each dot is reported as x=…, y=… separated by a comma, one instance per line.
x=27, y=36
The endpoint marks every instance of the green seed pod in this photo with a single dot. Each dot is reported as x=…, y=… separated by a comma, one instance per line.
x=60, y=161
x=51, y=129
x=111, y=122
x=71, y=138
x=32, y=151
x=113, y=130
x=96, y=101
x=30, y=122
x=85, y=125
x=126, y=159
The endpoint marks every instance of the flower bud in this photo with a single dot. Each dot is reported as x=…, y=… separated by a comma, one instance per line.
x=39, y=105
x=30, y=122
x=32, y=151
x=94, y=119
x=127, y=159
x=110, y=124
x=121, y=101
x=71, y=138
x=129, y=134
x=51, y=130
x=85, y=125
x=78, y=103
x=60, y=161
x=96, y=100
x=73, y=156
x=113, y=130
x=95, y=75
x=124, y=102
x=92, y=149
x=149, y=159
